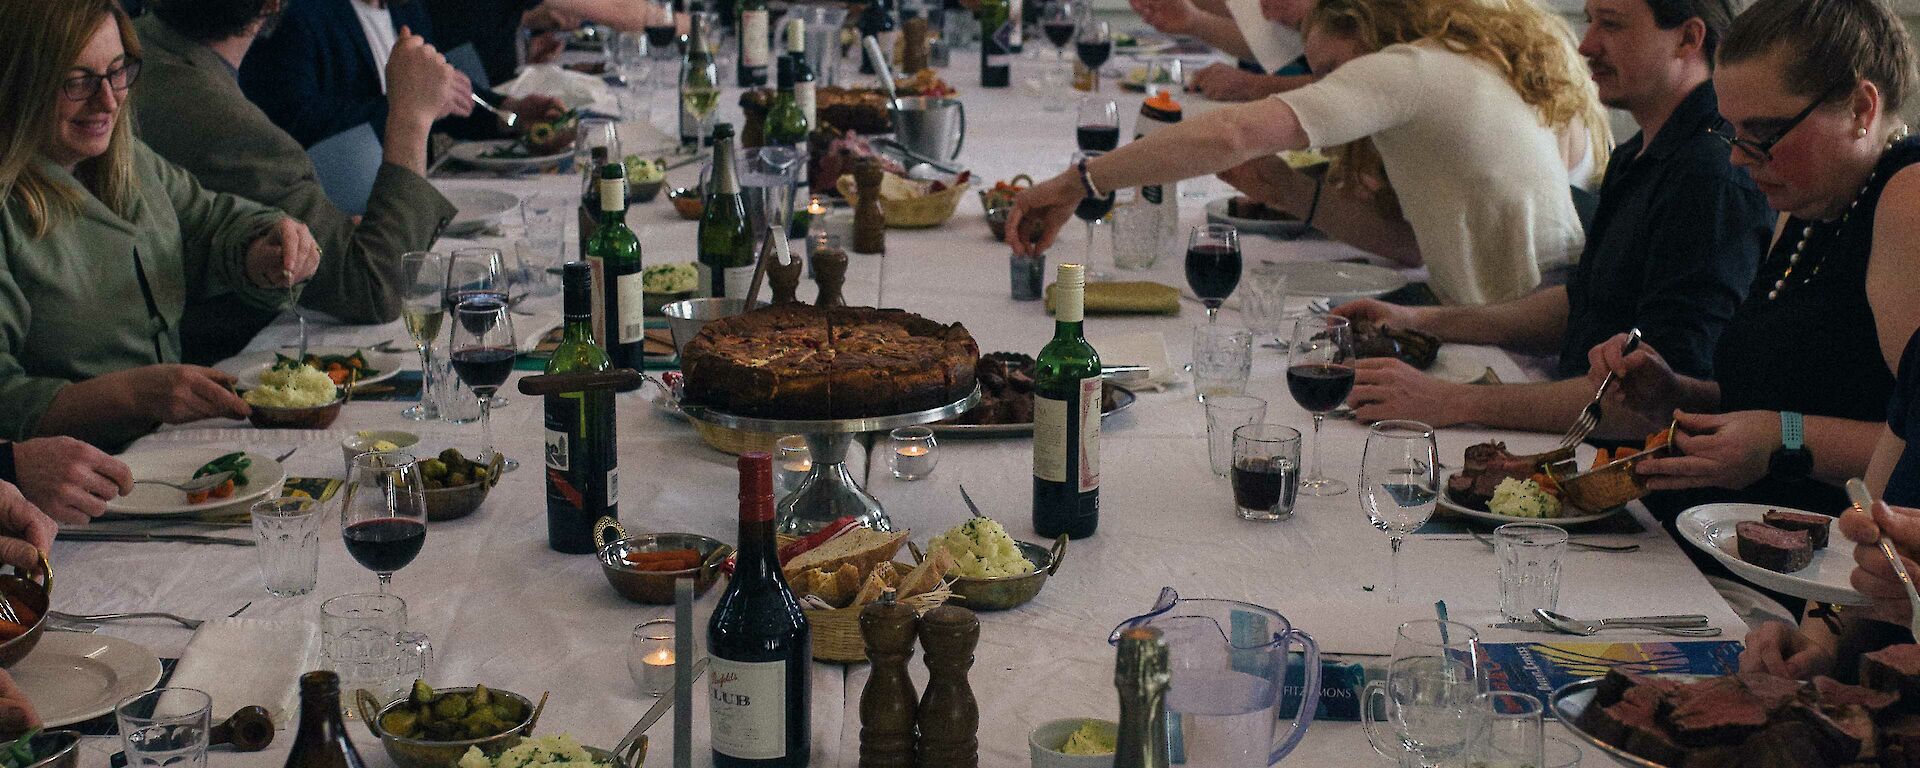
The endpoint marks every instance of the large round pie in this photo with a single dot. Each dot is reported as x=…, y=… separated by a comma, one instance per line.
x=795, y=361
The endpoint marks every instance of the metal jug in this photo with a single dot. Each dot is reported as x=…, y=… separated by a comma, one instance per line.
x=1229, y=665
x=931, y=127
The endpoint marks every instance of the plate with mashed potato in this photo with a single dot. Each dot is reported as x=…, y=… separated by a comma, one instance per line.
x=373, y=364
x=178, y=463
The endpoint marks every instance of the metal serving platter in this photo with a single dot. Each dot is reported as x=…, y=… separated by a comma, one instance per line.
x=1571, y=699
x=1123, y=399
x=831, y=426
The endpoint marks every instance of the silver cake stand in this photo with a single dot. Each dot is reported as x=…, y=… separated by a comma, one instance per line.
x=829, y=492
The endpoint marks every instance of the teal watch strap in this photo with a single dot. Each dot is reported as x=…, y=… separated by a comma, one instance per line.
x=1793, y=430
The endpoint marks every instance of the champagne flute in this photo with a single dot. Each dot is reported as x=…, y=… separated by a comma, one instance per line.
x=483, y=352
x=1398, y=485
x=1319, y=375
x=1094, y=41
x=1213, y=266
x=475, y=273
x=1097, y=128
x=383, y=518
x=1091, y=209
x=421, y=310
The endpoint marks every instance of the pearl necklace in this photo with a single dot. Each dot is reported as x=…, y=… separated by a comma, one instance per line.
x=1806, y=233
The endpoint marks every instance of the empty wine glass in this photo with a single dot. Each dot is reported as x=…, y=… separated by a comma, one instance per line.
x=1094, y=42
x=1098, y=126
x=383, y=518
x=1091, y=209
x=1398, y=485
x=1213, y=266
x=422, y=308
x=483, y=352
x=1319, y=375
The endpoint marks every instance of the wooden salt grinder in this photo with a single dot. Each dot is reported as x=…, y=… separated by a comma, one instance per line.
x=830, y=273
x=869, y=222
x=784, y=280
x=913, y=53
x=888, y=702
x=949, y=716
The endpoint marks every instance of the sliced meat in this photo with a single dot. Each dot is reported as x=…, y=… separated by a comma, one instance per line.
x=1788, y=520
x=1773, y=548
x=1894, y=669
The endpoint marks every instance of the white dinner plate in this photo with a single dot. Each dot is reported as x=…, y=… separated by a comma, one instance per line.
x=73, y=677
x=1753, y=608
x=1450, y=505
x=177, y=463
x=248, y=366
x=478, y=208
x=1710, y=528
x=1339, y=280
x=471, y=153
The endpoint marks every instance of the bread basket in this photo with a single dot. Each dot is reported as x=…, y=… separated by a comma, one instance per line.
x=922, y=212
x=836, y=631
x=734, y=441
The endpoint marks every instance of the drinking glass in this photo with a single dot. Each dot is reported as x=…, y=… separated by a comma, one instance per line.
x=700, y=95
x=1560, y=753
x=288, y=543
x=1137, y=231
x=422, y=308
x=663, y=31
x=1091, y=209
x=1266, y=471
x=165, y=727
x=1166, y=74
x=1398, y=485
x=1222, y=360
x=1529, y=556
x=1263, y=305
x=483, y=351
x=1029, y=276
x=792, y=462
x=1058, y=21
x=1226, y=413
x=1213, y=265
x=1094, y=41
x=632, y=58
x=359, y=636
x=1097, y=127
x=1319, y=376
x=1433, y=679
x=596, y=132
x=383, y=518
x=1506, y=730
x=475, y=273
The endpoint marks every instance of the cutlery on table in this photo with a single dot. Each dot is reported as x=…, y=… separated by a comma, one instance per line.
x=505, y=116
x=1680, y=621
x=194, y=484
x=1590, y=415
x=653, y=715
x=971, y=507
x=289, y=454
x=175, y=538
x=1571, y=544
x=1857, y=492
x=95, y=618
x=1572, y=626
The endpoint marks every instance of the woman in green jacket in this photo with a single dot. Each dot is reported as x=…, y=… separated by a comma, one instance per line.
x=102, y=242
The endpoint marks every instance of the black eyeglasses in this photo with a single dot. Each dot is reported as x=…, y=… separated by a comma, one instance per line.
x=1762, y=151
x=120, y=76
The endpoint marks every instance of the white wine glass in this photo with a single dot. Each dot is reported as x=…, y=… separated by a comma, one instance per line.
x=422, y=308
x=700, y=96
x=1399, y=484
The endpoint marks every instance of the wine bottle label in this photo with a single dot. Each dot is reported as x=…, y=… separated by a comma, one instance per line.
x=1058, y=424
x=703, y=282
x=753, y=38
x=558, y=455
x=1014, y=18
x=804, y=96
x=747, y=708
x=633, y=307
x=580, y=457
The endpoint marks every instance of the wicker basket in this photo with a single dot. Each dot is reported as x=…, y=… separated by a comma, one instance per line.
x=734, y=441
x=836, y=632
x=915, y=213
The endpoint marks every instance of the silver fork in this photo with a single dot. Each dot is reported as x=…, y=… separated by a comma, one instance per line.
x=1581, y=545
x=100, y=617
x=1590, y=415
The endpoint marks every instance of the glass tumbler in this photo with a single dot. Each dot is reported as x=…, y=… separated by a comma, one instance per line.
x=1529, y=555
x=1222, y=360
x=287, y=533
x=165, y=728
x=1029, y=276
x=1226, y=413
x=1263, y=303
x=359, y=634
x=1506, y=730
x=1266, y=471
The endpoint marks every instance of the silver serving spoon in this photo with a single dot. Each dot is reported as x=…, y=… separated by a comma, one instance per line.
x=195, y=484
x=1572, y=626
x=1857, y=492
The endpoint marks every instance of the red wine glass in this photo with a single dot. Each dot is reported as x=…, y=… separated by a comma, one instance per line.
x=483, y=353
x=384, y=516
x=1213, y=265
x=474, y=272
x=1097, y=128
x=1093, y=40
x=1320, y=375
x=1091, y=209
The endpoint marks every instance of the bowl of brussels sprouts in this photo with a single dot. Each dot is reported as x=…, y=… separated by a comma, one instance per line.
x=433, y=727
x=456, y=485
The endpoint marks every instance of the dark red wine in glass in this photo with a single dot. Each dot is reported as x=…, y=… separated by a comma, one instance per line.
x=385, y=545
x=1319, y=387
x=1213, y=271
x=1264, y=484
x=1102, y=138
x=1059, y=33
x=476, y=298
x=1092, y=209
x=661, y=36
x=1094, y=54
x=483, y=368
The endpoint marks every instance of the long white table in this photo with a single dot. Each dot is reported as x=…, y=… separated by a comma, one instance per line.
x=504, y=610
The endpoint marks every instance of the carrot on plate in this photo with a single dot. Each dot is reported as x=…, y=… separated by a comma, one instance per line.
x=10, y=630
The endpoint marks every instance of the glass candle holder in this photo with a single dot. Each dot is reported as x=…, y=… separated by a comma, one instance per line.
x=914, y=453
x=792, y=460
x=650, y=656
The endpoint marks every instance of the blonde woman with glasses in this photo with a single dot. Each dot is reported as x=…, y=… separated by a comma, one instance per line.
x=102, y=242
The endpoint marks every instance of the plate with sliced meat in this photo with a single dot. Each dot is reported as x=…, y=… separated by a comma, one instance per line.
x=1775, y=548
x=1485, y=466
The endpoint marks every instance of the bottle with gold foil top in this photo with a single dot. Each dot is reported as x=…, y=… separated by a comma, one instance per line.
x=1140, y=672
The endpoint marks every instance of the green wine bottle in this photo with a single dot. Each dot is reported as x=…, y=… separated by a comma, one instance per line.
x=756, y=38
x=1066, y=419
x=786, y=124
x=802, y=73
x=726, y=247
x=996, y=49
x=699, y=82
x=582, y=460
x=615, y=254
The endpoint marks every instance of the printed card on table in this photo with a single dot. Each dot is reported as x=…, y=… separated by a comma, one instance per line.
x=1540, y=668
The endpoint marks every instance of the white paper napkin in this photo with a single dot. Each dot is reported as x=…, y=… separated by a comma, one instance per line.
x=574, y=89
x=1148, y=349
x=241, y=662
x=1275, y=45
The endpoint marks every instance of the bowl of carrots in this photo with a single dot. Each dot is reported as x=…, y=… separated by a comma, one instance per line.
x=1610, y=481
x=643, y=567
x=28, y=601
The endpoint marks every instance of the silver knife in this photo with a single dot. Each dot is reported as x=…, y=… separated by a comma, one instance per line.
x=177, y=538
x=654, y=713
x=1124, y=373
x=1669, y=622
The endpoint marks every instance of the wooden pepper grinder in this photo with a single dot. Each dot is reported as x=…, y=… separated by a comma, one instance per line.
x=887, y=704
x=784, y=280
x=913, y=53
x=830, y=273
x=869, y=222
x=949, y=716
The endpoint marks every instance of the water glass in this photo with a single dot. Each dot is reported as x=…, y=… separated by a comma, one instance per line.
x=1529, y=556
x=453, y=399
x=165, y=727
x=1028, y=274
x=1560, y=753
x=1266, y=471
x=914, y=453
x=1136, y=232
x=1263, y=303
x=596, y=132
x=1506, y=730
x=288, y=534
x=650, y=656
x=1226, y=413
x=359, y=636
x=1399, y=484
x=1222, y=360
x=1430, y=704
x=413, y=660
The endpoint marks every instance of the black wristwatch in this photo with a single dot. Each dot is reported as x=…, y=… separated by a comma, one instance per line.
x=1791, y=462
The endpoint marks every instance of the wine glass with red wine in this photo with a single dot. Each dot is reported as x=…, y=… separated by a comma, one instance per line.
x=1213, y=265
x=1057, y=20
x=1098, y=126
x=384, y=516
x=476, y=273
x=483, y=352
x=1091, y=209
x=1093, y=40
x=1320, y=375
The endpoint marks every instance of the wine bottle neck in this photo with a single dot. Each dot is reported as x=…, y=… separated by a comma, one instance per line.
x=725, y=181
x=613, y=201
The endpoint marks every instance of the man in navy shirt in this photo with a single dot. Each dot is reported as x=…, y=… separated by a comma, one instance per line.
x=1672, y=248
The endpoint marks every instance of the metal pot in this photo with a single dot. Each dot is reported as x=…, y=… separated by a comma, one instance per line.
x=931, y=126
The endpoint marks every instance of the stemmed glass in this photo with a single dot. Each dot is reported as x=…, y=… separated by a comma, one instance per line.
x=700, y=94
x=662, y=32
x=1091, y=209
x=1058, y=21
x=477, y=273
x=1319, y=375
x=1213, y=268
x=421, y=310
x=1398, y=485
x=483, y=351
x=1097, y=128
x=1094, y=41
x=384, y=516
x=632, y=58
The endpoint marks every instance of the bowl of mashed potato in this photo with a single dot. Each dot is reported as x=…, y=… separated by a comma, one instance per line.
x=294, y=396
x=992, y=571
x=1076, y=742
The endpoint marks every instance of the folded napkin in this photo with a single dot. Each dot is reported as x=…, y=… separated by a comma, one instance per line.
x=241, y=662
x=1148, y=349
x=1127, y=298
x=574, y=89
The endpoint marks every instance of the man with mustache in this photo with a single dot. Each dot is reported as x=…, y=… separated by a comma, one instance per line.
x=1672, y=248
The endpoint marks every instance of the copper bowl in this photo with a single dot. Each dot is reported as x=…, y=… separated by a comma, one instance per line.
x=426, y=753
x=23, y=592
x=312, y=417
x=1001, y=593
x=1610, y=485
x=656, y=587
x=688, y=203
x=456, y=502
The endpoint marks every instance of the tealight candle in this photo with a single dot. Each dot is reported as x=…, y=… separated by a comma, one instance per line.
x=792, y=462
x=650, y=656
x=914, y=453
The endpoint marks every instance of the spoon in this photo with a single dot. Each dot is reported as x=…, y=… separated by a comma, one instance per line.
x=189, y=486
x=971, y=507
x=1572, y=626
x=1863, y=499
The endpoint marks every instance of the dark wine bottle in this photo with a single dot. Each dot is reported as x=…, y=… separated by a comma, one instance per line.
x=615, y=254
x=726, y=247
x=589, y=213
x=1066, y=419
x=878, y=22
x=322, y=741
x=583, y=475
x=786, y=125
x=759, y=645
x=802, y=73
x=755, y=44
x=996, y=53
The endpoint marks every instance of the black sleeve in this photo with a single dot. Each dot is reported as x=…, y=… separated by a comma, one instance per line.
x=286, y=76
x=1707, y=238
